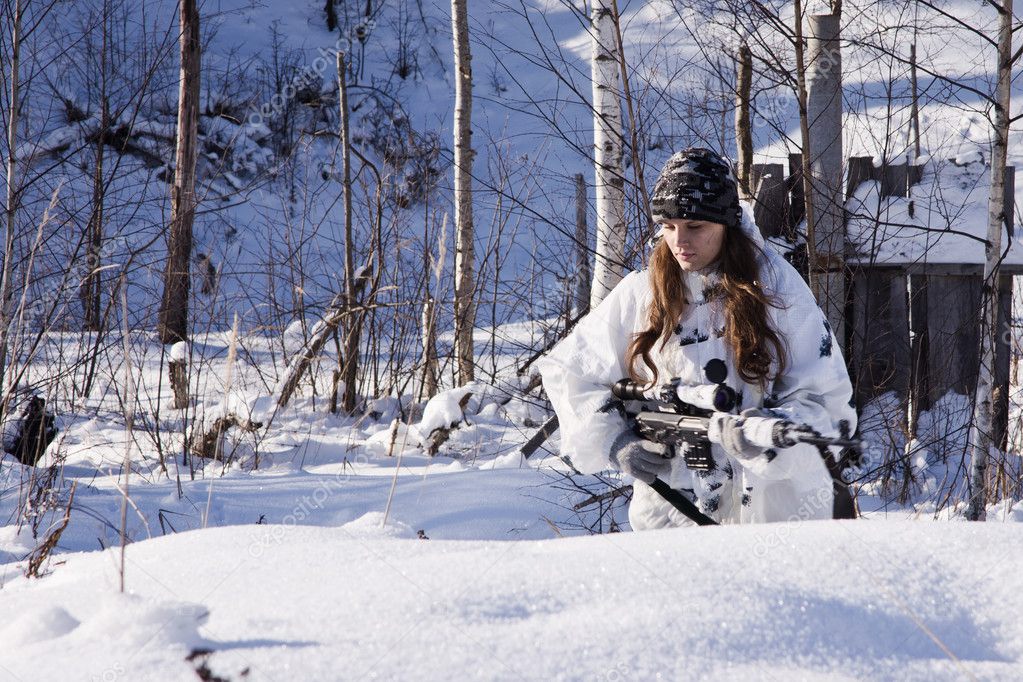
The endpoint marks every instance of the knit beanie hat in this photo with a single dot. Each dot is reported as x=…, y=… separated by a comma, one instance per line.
x=696, y=184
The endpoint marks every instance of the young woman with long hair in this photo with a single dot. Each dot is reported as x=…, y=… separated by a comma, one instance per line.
x=713, y=291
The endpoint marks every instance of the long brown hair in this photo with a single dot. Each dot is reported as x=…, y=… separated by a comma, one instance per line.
x=747, y=329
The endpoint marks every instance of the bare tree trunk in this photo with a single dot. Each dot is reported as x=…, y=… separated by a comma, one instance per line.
x=430, y=364
x=637, y=167
x=465, y=267
x=582, y=248
x=743, y=131
x=914, y=106
x=11, y=207
x=91, y=286
x=609, y=262
x=983, y=408
x=804, y=136
x=352, y=328
x=824, y=155
x=174, y=306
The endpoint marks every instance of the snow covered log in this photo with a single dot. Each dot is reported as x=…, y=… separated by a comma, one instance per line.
x=208, y=446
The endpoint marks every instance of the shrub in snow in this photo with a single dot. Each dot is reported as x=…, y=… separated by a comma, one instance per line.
x=29, y=429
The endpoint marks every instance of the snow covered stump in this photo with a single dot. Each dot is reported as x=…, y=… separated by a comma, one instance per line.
x=27, y=435
x=178, y=371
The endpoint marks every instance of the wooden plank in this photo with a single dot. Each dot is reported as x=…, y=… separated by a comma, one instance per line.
x=795, y=187
x=770, y=196
x=1010, y=199
x=919, y=349
x=953, y=302
x=880, y=329
x=1003, y=355
x=861, y=169
x=898, y=332
x=894, y=180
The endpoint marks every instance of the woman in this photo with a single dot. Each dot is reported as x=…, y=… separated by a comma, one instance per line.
x=713, y=290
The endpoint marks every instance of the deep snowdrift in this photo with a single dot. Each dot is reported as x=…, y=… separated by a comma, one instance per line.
x=827, y=600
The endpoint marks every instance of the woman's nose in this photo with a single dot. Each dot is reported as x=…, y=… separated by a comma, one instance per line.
x=679, y=236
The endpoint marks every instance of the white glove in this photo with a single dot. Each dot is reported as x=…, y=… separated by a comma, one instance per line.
x=733, y=438
x=629, y=456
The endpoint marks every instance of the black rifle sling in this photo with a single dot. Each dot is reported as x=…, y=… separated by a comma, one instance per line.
x=682, y=503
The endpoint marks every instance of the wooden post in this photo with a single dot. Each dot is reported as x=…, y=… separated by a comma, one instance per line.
x=177, y=370
x=826, y=226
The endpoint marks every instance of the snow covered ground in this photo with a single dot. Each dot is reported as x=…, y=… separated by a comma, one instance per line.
x=824, y=600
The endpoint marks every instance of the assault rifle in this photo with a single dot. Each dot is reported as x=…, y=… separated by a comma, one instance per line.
x=673, y=417
x=687, y=419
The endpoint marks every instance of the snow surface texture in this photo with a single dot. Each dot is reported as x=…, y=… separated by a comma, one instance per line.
x=829, y=600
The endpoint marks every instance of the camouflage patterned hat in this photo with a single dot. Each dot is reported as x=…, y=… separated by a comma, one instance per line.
x=696, y=184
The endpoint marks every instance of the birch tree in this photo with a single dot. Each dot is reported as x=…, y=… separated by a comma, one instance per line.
x=174, y=306
x=465, y=270
x=981, y=431
x=609, y=259
x=10, y=206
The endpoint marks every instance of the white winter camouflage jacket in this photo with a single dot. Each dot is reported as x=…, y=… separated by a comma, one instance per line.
x=779, y=485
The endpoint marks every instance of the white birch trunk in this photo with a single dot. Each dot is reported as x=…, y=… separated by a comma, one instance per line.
x=465, y=268
x=983, y=408
x=609, y=260
x=10, y=208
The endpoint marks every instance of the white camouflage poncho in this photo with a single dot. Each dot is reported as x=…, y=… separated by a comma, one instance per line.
x=783, y=484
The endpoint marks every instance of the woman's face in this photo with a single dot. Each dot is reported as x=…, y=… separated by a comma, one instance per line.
x=694, y=243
